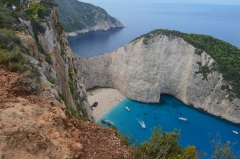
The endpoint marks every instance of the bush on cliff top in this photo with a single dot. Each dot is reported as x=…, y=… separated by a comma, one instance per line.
x=226, y=55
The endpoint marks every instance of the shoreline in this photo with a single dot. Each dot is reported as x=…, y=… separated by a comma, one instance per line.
x=107, y=98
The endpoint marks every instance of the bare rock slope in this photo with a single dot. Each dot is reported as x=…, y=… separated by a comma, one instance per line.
x=165, y=65
x=37, y=126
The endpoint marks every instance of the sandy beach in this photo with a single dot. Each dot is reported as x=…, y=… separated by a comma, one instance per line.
x=107, y=98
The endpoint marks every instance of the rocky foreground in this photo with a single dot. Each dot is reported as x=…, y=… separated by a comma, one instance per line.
x=36, y=126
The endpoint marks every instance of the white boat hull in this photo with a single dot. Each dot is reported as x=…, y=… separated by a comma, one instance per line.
x=127, y=109
x=235, y=132
x=183, y=119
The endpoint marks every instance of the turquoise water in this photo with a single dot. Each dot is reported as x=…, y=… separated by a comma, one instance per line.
x=198, y=130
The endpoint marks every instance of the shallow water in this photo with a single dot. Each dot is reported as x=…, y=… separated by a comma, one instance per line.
x=199, y=129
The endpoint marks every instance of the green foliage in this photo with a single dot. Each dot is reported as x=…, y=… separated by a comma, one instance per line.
x=72, y=111
x=52, y=80
x=204, y=70
x=48, y=58
x=9, y=18
x=82, y=113
x=11, y=54
x=163, y=145
x=63, y=97
x=37, y=27
x=226, y=55
x=76, y=15
x=223, y=151
x=198, y=51
x=40, y=10
x=33, y=9
x=15, y=61
x=58, y=27
x=8, y=41
x=71, y=87
x=70, y=73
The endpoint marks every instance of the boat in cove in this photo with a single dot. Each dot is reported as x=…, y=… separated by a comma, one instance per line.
x=182, y=118
x=128, y=109
x=108, y=122
x=141, y=122
x=235, y=132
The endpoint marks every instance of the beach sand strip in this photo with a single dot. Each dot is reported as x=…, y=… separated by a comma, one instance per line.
x=107, y=98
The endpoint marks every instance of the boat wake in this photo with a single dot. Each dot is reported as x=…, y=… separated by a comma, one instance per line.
x=141, y=122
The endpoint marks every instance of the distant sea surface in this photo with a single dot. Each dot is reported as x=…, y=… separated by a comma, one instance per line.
x=219, y=21
x=199, y=129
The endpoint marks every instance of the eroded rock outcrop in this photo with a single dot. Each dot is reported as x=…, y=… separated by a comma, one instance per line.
x=143, y=72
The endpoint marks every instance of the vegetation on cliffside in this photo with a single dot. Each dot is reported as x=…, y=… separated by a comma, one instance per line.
x=76, y=15
x=226, y=55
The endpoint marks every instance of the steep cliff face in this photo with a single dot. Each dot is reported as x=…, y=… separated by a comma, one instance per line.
x=37, y=108
x=79, y=17
x=52, y=53
x=165, y=65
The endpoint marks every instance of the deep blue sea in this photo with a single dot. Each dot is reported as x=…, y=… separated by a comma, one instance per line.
x=220, y=21
x=199, y=129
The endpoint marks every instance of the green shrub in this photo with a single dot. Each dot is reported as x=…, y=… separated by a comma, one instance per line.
x=63, y=97
x=82, y=113
x=37, y=27
x=15, y=61
x=71, y=87
x=43, y=9
x=52, y=80
x=163, y=145
x=8, y=40
x=223, y=151
x=72, y=111
x=70, y=73
x=48, y=58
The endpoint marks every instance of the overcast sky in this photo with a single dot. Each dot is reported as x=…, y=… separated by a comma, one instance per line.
x=228, y=2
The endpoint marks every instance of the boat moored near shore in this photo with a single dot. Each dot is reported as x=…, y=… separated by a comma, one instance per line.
x=108, y=122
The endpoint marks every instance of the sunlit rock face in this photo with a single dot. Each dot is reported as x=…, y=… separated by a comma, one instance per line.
x=143, y=71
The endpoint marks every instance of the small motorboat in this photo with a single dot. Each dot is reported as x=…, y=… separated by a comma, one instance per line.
x=128, y=109
x=182, y=118
x=143, y=125
x=235, y=132
x=108, y=122
x=141, y=122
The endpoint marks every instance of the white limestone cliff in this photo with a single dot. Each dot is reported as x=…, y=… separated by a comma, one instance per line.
x=165, y=65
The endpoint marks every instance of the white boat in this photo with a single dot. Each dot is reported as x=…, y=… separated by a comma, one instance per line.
x=143, y=125
x=141, y=122
x=182, y=118
x=128, y=109
x=235, y=132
